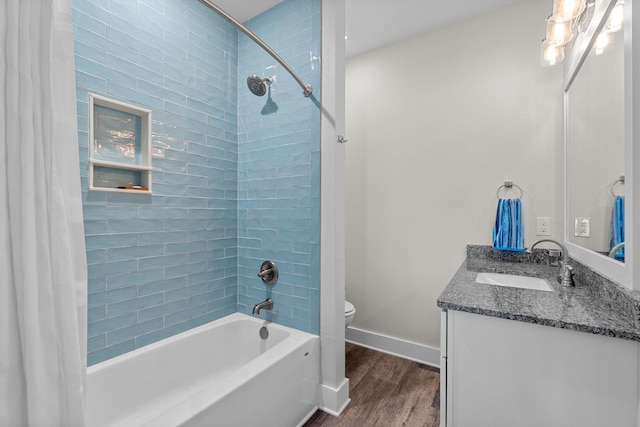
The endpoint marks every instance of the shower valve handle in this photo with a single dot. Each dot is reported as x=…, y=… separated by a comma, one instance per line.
x=264, y=273
x=268, y=272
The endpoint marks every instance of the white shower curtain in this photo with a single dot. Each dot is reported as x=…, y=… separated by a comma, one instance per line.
x=42, y=257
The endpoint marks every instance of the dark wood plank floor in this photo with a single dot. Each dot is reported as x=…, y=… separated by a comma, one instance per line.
x=386, y=391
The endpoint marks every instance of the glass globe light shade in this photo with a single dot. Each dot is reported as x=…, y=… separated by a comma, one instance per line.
x=559, y=32
x=616, y=18
x=566, y=10
x=603, y=40
x=550, y=53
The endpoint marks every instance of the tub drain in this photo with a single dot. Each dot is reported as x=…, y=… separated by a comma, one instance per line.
x=264, y=332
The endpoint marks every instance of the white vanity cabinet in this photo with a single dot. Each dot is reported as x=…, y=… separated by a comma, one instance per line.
x=498, y=372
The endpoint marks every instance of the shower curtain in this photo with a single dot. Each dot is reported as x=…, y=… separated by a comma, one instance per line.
x=43, y=264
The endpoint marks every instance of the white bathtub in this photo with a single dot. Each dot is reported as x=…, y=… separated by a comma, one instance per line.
x=219, y=374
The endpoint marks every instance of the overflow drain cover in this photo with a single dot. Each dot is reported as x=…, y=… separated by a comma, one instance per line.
x=264, y=332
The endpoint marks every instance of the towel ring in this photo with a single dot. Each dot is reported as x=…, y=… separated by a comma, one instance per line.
x=509, y=185
x=613, y=184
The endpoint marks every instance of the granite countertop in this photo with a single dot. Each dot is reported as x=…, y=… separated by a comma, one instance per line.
x=580, y=308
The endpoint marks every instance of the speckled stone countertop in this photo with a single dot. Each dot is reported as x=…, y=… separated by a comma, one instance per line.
x=597, y=307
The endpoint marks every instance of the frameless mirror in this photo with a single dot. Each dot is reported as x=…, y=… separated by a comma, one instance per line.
x=596, y=144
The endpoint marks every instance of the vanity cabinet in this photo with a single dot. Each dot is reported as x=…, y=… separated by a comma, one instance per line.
x=498, y=372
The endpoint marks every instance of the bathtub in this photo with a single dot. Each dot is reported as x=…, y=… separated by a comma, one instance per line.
x=219, y=374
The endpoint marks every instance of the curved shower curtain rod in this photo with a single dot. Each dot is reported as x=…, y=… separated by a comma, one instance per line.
x=307, y=89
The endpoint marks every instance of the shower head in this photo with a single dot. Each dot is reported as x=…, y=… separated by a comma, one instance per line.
x=258, y=85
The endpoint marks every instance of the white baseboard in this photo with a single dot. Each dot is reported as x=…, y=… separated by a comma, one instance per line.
x=395, y=346
x=334, y=400
x=308, y=416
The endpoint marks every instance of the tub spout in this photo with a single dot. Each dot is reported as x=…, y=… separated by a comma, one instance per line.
x=266, y=304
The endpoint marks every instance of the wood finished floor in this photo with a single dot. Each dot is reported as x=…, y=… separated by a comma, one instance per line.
x=386, y=391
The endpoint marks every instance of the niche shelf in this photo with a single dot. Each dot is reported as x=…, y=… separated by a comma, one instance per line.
x=119, y=146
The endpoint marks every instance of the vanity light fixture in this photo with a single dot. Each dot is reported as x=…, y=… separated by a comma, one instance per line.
x=616, y=18
x=560, y=29
x=614, y=24
x=570, y=16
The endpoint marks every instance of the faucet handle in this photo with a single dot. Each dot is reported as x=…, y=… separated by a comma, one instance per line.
x=268, y=272
x=265, y=273
x=566, y=278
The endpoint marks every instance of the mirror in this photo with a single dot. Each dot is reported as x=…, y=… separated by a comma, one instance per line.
x=595, y=144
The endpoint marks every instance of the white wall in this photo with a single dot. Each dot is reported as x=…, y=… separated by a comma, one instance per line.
x=435, y=125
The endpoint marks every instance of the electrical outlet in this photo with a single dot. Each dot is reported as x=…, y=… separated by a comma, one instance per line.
x=543, y=226
x=582, y=226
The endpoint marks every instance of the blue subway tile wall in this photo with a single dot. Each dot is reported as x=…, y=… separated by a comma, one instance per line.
x=163, y=263
x=188, y=254
x=279, y=167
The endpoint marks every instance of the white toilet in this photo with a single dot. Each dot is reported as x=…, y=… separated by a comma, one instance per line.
x=349, y=312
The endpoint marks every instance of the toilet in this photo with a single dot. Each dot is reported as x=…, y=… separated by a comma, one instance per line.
x=349, y=312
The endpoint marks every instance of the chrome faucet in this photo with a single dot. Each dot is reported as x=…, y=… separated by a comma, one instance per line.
x=266, y=304
x=566, y=274
x=612, y=252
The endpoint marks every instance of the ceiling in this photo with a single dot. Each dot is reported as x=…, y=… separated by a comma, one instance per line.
x=371, y=24
x=243, y=10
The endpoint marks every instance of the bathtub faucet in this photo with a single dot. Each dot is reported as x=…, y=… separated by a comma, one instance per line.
x=266, y=304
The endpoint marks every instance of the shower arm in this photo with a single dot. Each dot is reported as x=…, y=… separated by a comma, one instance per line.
x=307, y=89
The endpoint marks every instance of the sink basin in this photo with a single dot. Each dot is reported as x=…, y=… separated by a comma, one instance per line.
x=514, y=281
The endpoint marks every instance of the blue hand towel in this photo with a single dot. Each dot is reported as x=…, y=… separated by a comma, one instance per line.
x=507, y=231
x=616, y=232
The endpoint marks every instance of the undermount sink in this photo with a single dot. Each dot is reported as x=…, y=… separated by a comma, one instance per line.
x=514, y=281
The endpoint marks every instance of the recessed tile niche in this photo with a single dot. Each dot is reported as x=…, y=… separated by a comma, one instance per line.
x=119, y=146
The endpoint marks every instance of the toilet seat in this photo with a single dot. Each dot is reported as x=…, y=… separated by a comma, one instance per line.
x=349, y=312
x=348, y=308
